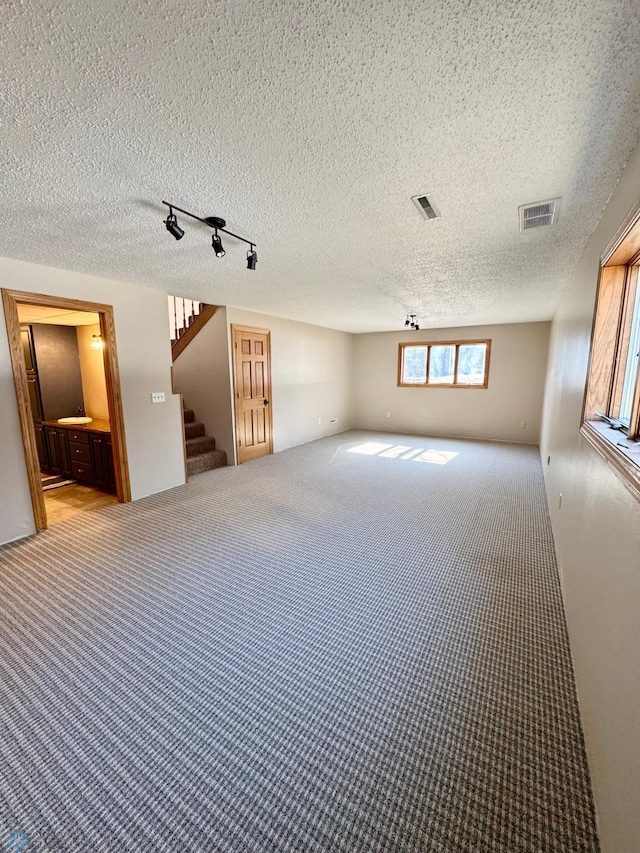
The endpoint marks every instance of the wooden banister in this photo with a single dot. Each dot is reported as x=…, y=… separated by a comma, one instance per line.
x=191, y=327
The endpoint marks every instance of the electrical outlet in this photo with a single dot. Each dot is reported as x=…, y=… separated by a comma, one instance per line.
x=388, y=414
x=319, y=421
x=334, y=420
x=560, y=501
x=523, y=424
x=157, y=397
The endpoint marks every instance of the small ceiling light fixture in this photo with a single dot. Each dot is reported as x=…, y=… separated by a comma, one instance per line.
x=172, y=226
x=412, y=321
x=217, y=224
x=216, y=242
x=96, y=342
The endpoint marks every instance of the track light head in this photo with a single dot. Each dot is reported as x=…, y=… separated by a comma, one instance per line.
x=172, y=226
x=216, y=242
x=215, y=222
x=406, y=322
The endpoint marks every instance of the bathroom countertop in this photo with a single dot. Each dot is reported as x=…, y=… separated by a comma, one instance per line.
x=96, y=425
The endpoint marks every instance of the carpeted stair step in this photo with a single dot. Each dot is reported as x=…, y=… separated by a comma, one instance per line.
x=201, y=449
x=201, y=444
x=193, y=430
x=206, y=461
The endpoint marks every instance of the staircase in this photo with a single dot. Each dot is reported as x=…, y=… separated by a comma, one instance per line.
x=201, y=449
x=186, y=318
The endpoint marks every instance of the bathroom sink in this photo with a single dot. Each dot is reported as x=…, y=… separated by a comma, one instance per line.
x=74, y=420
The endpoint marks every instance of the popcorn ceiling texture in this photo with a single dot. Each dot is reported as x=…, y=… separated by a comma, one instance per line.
x=308, y=126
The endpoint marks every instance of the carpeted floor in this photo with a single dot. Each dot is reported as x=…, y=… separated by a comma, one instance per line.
x=324, y=650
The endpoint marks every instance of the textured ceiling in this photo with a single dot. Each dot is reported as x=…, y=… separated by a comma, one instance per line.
x=308, y=126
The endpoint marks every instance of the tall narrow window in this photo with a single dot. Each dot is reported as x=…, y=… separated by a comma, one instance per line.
x=414, y=365
x=471, y=364
x=442, y=363
x=611, y=416
x=631, y=366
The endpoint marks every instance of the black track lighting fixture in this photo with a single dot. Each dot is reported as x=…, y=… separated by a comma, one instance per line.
x=412, y=321
x=172, y=226
x=217, y=224
x=216, y=242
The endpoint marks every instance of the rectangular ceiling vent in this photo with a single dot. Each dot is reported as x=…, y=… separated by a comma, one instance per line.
x=426, y=206
x=539, y=213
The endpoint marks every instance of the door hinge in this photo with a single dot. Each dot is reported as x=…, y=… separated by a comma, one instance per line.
x=239, y=442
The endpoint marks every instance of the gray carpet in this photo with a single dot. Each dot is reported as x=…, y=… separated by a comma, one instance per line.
x=319, y=651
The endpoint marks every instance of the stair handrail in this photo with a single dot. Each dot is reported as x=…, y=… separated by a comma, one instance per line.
x=186, y=318
x=182, y=313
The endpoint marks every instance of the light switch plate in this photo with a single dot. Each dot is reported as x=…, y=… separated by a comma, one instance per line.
x=157, y=397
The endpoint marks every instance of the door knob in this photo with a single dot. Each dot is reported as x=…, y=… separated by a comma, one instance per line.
x=265, y=401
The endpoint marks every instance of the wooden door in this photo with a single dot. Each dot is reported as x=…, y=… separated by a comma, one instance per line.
x=53, y=450
x=65, y=455
x=99, y=460
x=41, y=445
x=252, y=392
x=27, y=348
x=111, y=474
x=35, y=401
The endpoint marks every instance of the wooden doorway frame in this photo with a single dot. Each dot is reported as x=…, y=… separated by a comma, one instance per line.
x=237, y=384
x=11, y=299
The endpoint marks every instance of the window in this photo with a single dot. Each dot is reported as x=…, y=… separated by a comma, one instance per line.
x=446, y=364
x=611, y=415
x=631, y=365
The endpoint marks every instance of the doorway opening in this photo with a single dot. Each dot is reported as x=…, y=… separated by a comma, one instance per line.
x=65, y=371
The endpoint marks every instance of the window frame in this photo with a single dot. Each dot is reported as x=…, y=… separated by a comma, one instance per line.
x=458, y=343
x=618, y=280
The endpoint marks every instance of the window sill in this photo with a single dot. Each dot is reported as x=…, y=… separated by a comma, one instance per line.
x=625, y=460
x=440, y=385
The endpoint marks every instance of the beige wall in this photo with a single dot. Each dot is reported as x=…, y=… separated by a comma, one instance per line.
x=94, y=386
x=311, y=377
x=516, y=385
x=202, y=374
x=153, y=431
x=597, y=536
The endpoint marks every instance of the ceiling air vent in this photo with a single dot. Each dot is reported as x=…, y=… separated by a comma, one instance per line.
x=426, y=206
x=539, y=213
